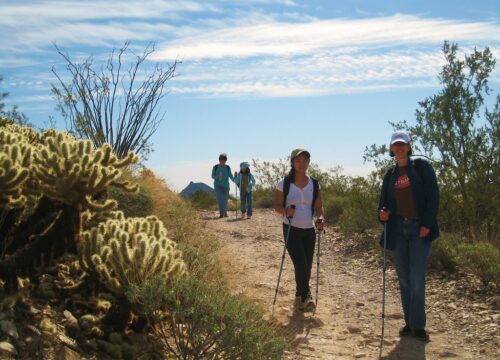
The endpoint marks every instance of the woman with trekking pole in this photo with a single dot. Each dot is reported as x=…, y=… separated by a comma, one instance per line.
x=408, y=207
x=245, y=182
x=297, y=199
x=221, y=173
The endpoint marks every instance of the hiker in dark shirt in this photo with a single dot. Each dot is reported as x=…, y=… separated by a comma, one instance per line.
x=409, y=203
x=297, y=198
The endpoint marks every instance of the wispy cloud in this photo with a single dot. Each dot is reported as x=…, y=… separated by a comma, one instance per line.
x=288, y=39
x=235, y=48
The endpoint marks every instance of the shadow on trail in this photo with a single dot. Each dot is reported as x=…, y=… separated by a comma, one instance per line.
x=407, y=349
x=298, y=327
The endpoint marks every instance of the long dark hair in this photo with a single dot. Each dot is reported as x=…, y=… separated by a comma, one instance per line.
x=291, y=175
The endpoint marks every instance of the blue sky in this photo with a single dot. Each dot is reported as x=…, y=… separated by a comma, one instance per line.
x=258, y=77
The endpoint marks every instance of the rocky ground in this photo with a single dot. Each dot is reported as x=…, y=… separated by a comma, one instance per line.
x=463, y=318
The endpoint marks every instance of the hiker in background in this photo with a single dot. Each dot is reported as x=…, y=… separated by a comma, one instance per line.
x=409, y=203
x=221, y=173
x=245, y=182
x=297, y=198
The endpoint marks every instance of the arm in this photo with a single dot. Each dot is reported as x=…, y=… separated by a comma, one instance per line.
x=231, y=176
x=319, y=211
x=431, y=196
x=383, y=206
x=213, y=172
x=278, y=205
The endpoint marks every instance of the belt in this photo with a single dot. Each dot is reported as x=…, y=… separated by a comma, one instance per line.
x=405, y=219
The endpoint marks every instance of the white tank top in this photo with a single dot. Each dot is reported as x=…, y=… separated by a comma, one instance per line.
x=302, y=199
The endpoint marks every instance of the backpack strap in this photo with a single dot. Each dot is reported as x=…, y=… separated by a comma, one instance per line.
x=315, y=192
x=286, y=189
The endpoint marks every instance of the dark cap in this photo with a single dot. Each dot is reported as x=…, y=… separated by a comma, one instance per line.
x=298, y=151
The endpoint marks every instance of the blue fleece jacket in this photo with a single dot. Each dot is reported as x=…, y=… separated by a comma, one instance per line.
x=425, y=196
x=221, y=175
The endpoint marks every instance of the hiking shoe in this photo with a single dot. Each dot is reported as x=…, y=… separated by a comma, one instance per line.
x=243, y=216
x=405, y=331
x=421, y=335
x=221, y=216
x=225, y=214
x=307, y=305
x=249, y=217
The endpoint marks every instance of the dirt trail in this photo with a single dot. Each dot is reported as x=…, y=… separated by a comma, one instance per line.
x=347, y=323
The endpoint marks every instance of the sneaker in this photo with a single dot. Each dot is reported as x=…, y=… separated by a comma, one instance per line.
x=225, y=214
x=307, y=305
x=421, y=335
x=405, y=331
x=243, y=216
x=221, y=216
x=249, y=217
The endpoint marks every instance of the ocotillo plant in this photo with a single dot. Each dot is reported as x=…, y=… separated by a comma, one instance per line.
x=129, y=251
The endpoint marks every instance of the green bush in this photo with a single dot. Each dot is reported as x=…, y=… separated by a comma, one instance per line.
x=358, y=213
x=137, y=204
x=263, y=198
x=483, y=259
x=202, y=200
x=444, y=252
x=202, y=264
x=203, y=322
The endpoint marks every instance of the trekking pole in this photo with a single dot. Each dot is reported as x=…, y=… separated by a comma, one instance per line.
x=289, y=218
x=236, y=210
x=383, y=288
x=317, y=266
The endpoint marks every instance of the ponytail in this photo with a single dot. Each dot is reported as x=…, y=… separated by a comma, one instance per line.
x=291, y=175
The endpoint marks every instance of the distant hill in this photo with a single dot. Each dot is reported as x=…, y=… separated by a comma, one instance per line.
x=194, y=187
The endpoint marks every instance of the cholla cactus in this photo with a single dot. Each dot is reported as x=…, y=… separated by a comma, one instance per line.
x=72, y=171
x=129, y=251
x=15, y=161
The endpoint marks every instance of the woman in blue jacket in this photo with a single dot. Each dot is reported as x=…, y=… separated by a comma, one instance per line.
x=409, y=203
x=245, y=182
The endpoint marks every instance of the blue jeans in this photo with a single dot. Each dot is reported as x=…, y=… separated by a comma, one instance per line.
x=410, y=260
x=246, y=203
x=222, y=196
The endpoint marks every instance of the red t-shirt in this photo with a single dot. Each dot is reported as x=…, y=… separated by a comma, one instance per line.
x=404, y=195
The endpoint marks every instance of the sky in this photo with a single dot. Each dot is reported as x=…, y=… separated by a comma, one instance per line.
x=257, y=78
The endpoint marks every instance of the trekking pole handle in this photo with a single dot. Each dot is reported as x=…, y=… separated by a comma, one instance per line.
x=286, y=214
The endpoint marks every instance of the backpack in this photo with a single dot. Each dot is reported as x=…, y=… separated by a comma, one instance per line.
x=214, y=169
x=286, y=190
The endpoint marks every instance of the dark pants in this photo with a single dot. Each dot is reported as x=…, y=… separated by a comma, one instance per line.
x=300, y=246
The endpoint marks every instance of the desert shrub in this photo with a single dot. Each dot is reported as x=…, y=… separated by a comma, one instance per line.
x=357, y=207
x=444, y=252
x=137, y=204
x=202, y=200
x=202, y=264
x=202, y=322
x=263, y=198
x=483, y=259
